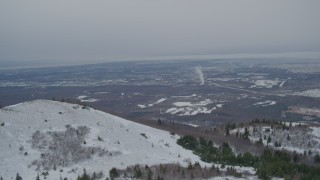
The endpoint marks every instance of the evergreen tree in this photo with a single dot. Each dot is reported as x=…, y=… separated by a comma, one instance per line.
x=84, y=176
x=159, y=178
x=295, y=157
x=269, y=140
x=288, y=137
x=255, y=130
x=18, y=177
x=317, y=158
x=233, y=126
x=137, y=172
x=190, y=165
x=246, y=133
x=94, y=176
x=192, y=176
x=113, y=173
x=227, y=130
x=149, y=176
x=182, y=173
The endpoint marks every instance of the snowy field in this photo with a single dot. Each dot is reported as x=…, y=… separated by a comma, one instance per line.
x=309, y=93
x=157, y=102
x=109, y=140
x=152, y=104
x=265, y=83
x=191, y=109
x=304, y=110
x=265, y=103
x=84, y=98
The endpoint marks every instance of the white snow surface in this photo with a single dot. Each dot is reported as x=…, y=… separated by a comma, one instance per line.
x=191, y=109
x=193, y=125
x=102, y=92
x=157, y=102
x=181, y=104
x=160, y=100
x=309, y=93
x=84, y=98
x=119, y=135
x=265, y=83
x=152, y=104
x=265, y=103
x=201, y=103
x=282, y=83
x=141, y=106
x=193, y=95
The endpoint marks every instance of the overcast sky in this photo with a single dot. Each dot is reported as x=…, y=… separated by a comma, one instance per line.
x=83, y=31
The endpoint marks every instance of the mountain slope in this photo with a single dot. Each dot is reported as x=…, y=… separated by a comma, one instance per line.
x=71, y=138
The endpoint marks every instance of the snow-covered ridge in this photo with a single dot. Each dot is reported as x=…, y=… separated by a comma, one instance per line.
x=121, y=142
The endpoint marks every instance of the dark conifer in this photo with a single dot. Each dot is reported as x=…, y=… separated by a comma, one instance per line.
x=18, y=177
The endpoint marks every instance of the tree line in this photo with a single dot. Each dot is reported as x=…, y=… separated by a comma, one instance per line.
x=270, y=164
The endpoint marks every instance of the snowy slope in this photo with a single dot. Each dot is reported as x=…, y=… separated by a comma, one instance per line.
x=125, y=142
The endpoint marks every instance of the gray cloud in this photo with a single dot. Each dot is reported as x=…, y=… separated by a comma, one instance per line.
x=80, y=31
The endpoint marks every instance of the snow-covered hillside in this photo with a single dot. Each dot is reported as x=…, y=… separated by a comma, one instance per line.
x=295, y=136
x=47, y=134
